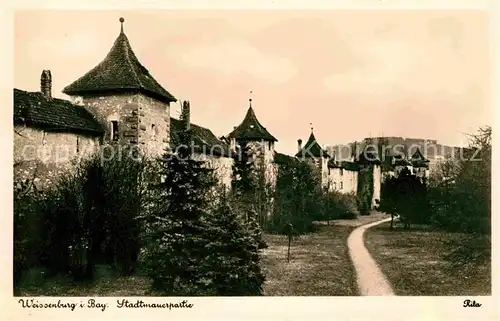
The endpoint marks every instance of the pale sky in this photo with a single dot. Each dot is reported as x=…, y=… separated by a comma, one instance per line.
x=352, y=74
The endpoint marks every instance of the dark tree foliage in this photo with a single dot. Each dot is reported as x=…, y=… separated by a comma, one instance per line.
x=460, y=201
x=175, y=234
x=365, y=189
x=88, y=217
x=460, y=192
x=245, y=189
x=406, y=196
x=337, y=205
x=297, y=198
x=192, y=249
x=233, y=263
x=27, y=228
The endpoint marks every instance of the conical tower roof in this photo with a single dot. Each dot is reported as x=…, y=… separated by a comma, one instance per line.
x=312, y=148
x=119, y=71
x=251, y=129
x=418, y=160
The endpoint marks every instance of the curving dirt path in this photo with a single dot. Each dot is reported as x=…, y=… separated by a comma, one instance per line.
x=371, y=281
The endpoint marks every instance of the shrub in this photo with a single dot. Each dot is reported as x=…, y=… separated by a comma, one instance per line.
x=27, y=228
x=89, y=216
x=339, y=206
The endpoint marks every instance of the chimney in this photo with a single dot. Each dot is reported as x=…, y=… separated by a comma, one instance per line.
x=186, y=114
x=46, y=84
x=299, y=144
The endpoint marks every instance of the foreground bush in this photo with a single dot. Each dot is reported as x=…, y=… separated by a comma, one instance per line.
x=87, y=217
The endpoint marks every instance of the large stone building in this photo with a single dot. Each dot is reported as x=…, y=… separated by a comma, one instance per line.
x=119, y=102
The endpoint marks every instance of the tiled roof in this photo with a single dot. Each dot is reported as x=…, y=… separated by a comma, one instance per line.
x=119, y=71
x=251, y=129
x=280, y=158
x=351, y=166
x=203, y=139
x=34, y=109
x=312, y=148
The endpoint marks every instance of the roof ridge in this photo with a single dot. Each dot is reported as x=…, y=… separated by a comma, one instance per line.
x=127, y=57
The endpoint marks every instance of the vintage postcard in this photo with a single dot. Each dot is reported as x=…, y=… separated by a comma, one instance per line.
x=314, y=163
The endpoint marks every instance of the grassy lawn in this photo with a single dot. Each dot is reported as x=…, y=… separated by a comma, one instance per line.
x=415, y=263
x=319, y=264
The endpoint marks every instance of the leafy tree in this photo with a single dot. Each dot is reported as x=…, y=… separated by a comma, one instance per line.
x=460, y=190
x=298, y=198
x=460, y=200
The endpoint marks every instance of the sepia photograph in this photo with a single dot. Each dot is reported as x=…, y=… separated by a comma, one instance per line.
x=187, y=153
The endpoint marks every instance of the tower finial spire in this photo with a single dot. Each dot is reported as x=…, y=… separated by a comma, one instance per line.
x=312, y=128
x=250, y=99
x=121, y=22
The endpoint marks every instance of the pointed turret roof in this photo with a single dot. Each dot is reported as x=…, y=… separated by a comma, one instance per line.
x=312, y=148
x=418, y=160
x=119, y=71
x=251, y=128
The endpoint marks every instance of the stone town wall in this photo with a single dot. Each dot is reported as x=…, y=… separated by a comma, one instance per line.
x=45, y=155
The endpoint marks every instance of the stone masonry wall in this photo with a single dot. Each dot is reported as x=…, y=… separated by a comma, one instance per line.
x=122, y=108
x=141, y=120
x=221, y=165
x=154, y=125
x=48, y=154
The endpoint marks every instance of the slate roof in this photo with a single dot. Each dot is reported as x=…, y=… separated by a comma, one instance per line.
x=312, y=148
x=251, y=129
x=280, y=158
x=119, y=71
x=203, y=139
x=34, y=109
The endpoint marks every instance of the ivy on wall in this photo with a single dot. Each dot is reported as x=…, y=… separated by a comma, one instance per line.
x=365, y=189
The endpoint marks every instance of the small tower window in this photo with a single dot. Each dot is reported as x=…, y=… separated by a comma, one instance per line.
x=77, y=144
x=341, y=185
x=153, y=130
x=44, y=141
x=114, y=130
